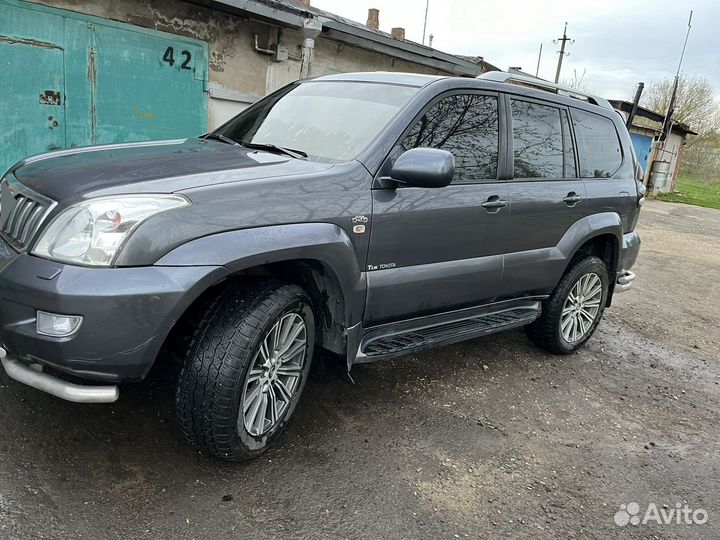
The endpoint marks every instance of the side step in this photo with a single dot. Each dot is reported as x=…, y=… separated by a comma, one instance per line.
x=383, y=342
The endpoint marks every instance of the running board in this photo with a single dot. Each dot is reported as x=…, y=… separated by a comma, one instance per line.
x=395, y=340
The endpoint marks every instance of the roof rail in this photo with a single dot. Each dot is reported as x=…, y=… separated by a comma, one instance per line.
x=545, y=86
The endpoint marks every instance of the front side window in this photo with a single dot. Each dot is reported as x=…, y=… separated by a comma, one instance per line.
x=465, y=125
x=598, y=145
x=330, y=121
x=537, y=140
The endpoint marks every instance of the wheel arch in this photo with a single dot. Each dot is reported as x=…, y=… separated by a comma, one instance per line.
x=603, y=239
x=319, y=257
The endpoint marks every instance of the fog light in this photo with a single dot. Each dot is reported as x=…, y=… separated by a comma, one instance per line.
x=50, y=324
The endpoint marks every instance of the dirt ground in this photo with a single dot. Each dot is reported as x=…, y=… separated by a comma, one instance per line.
x=489, y=438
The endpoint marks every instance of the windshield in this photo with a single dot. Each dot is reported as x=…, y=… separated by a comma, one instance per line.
x=329, y=121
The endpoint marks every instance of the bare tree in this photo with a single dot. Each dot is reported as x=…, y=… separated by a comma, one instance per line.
x=698, y=106
x=577, y=82
x=696, y=102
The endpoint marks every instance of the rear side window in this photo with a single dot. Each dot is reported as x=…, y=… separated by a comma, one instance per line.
x=465, y=125
x=598, y=145
x=537, y=140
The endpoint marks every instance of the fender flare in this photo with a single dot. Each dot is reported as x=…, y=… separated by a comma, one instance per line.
x=588, y=228
x=242, y=249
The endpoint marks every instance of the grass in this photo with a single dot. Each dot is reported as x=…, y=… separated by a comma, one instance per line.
x=690, y=190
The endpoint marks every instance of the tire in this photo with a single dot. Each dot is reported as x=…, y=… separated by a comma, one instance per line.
x=552, y=331
x=221, y=368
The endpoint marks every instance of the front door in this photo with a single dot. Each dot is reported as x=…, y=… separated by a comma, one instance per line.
x=546, y=196
x=429, y=249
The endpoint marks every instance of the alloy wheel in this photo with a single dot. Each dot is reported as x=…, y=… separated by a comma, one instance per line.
x=581, y=307
x=274, y=375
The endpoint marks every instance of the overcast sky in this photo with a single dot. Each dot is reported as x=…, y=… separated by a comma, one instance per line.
x=617, y=42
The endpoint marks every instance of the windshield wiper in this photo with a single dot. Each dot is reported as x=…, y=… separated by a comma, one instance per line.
x=297, y=154
x=221, y=137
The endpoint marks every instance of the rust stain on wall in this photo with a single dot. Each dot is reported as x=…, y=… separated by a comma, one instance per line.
x=92, y=79
x=31, y=42
x=142, y=114
x=50, y=97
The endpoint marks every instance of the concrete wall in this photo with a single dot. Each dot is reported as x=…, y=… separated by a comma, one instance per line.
x=238, y=74
x=671, y=152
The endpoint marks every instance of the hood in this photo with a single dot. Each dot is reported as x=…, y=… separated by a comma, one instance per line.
x=158, y=166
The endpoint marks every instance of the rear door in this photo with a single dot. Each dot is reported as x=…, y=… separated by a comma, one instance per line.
x=547, y=196
x=429, y=248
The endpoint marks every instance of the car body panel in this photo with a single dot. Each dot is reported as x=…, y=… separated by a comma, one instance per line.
x=156, y=167
x=239, y=250
x=127, y=313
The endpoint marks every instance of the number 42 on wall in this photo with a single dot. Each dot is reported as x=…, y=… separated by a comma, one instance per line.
x=169, y=57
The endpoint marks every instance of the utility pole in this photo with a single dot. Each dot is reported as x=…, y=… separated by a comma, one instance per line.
x=427, y=5
x=563, y=40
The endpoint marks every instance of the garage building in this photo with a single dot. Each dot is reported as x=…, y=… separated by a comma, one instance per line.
x=81, y=72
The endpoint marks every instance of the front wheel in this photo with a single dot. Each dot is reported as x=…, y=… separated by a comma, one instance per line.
x=245, y=368
x=573, y=311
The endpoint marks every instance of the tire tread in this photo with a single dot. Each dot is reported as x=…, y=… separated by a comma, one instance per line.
x=543, y=332
x=212, y=367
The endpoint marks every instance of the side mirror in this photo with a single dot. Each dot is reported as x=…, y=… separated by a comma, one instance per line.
x=424, y=167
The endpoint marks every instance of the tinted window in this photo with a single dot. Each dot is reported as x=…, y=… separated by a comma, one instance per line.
x=465, y=125
x=598, y=145
x=330, y=121
x=537, y=140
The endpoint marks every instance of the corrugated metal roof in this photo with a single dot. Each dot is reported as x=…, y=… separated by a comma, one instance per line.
x=626, y=107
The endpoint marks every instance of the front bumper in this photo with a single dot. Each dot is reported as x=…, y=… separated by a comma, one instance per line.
x=128, y=313
x=79, y=393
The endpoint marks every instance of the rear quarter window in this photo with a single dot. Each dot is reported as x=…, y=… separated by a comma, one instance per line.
x=598, y=145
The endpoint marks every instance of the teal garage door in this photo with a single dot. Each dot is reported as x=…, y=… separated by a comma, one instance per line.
x=76, y=80
x=32, y=112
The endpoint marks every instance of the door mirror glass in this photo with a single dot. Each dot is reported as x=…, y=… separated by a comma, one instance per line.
x=424, y=167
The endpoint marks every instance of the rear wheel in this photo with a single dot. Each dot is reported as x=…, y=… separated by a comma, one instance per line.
x=245, y=368
x=573, y=311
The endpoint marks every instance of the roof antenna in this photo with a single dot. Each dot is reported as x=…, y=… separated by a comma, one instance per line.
x=427, y=6
x=671, y=106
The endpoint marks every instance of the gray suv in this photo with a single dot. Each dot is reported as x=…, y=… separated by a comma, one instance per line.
x=372, y=215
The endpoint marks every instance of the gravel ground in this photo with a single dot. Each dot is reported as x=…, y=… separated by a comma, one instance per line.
x=489, y=438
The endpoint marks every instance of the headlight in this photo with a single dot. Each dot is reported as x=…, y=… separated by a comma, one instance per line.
x=92, y=233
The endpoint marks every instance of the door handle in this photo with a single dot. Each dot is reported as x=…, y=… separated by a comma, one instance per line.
x=494, y=203
x=572, y=198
